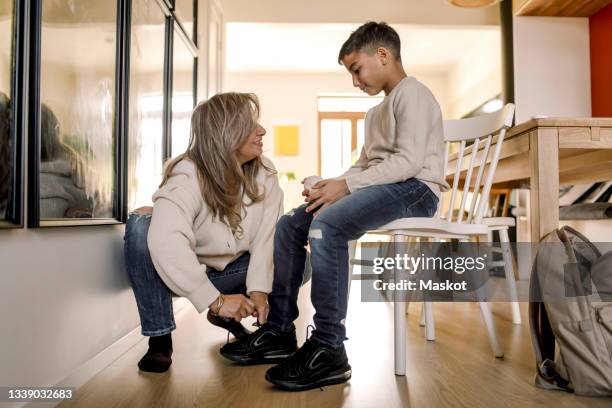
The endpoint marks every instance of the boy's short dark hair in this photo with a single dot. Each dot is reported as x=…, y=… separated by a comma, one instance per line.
x=374, y=35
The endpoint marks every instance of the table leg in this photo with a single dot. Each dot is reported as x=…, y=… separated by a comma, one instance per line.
x=544, y=168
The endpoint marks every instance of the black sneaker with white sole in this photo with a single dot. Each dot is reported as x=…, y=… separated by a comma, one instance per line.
x=264, y=346
x=314, y=365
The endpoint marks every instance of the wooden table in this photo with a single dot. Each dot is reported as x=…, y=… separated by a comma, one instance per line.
x=546, y=153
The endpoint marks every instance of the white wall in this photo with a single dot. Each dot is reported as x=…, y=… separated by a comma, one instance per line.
x=65, y=298
x=551, y=67
x=292, y=98
x=476, y=78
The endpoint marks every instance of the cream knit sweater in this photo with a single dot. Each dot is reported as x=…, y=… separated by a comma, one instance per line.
x=184, y=239
x=404, y=138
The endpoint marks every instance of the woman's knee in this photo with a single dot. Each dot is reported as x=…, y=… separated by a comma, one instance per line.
x=136, y=232
x=144, y=211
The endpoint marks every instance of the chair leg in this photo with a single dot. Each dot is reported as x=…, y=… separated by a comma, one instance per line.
x=430, y=328
x=487, y=316
x=422, y=317
x=510, y=280
x=352, y=247
x=400, y=337
x=399, y=309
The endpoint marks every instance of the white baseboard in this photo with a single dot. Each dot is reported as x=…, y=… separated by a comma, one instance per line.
x=106, y=357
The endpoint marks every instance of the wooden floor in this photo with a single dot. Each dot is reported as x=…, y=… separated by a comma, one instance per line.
x=457, y=370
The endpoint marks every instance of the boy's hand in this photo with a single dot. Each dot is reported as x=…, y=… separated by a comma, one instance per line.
x=260, y=299
x=327, y=192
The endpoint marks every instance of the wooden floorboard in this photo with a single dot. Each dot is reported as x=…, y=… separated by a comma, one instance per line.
x=457, y=370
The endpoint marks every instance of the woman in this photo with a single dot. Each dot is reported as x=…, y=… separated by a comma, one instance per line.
x=62, y=187
x=211, y=228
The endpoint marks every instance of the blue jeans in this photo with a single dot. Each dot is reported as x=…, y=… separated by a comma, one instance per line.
x=153, y=298
x=328, y=235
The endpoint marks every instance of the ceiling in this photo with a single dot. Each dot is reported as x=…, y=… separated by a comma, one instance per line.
x=558, y=8
x=434, y=12
x=314, y=47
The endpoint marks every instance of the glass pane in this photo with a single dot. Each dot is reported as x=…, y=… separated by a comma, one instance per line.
x=77, y=177
x=335, y=147
x=184, y=12
x=182, y=95
x=146, y=102
x=6, y=58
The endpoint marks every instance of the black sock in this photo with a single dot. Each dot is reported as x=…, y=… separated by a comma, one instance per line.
x=163, y=342
x=158, y=358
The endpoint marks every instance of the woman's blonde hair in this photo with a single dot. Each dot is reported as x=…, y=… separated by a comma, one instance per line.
x=219, y=127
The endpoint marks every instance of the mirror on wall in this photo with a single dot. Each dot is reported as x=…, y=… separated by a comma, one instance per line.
x=75, y=113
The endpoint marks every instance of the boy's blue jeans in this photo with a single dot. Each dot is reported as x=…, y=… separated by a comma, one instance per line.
x=328, y=235
x=153, y=297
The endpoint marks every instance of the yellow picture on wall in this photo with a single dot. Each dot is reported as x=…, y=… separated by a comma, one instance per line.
x=286, y=140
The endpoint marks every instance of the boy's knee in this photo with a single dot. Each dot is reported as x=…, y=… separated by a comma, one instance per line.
x=283, y=224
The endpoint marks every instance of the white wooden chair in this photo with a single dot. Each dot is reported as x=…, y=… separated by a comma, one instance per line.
x=489, y=129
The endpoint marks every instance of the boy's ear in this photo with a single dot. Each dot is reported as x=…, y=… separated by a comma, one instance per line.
x=384, y=55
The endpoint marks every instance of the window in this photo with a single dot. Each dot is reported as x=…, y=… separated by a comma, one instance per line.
x=183, y=91
x=110, y=99
x=146, y=100
x=341, y=131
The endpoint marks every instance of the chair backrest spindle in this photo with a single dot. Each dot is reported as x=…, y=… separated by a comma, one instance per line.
x=456, y=178
x=468, y=179
x=477, y=183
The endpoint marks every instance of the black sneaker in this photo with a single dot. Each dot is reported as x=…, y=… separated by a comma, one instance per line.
x=314, y=365
x=234, y=327
x=264, y=346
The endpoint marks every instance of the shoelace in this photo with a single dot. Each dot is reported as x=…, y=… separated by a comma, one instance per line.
x=256, y=324
x=310, y=326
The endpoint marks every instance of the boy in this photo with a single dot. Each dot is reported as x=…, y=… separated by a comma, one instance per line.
x=398, y=174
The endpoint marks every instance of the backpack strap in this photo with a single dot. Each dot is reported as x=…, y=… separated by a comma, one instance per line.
x=583, y=239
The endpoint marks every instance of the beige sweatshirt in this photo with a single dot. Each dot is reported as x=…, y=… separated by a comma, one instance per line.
x=184, y=239
x=404, y=138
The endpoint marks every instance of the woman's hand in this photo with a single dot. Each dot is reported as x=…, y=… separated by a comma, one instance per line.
x=260, y=299
x=235, y=306
x=327, y=192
